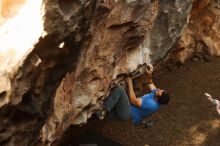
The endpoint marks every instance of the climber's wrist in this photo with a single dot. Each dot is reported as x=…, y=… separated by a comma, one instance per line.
x=149, y=81
x=149, y=74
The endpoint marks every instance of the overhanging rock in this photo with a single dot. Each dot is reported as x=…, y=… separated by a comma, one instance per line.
x=121, y=36
x=87, y=46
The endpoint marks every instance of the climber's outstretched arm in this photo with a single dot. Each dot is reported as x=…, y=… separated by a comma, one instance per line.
x=133, y=100
x=149, y=72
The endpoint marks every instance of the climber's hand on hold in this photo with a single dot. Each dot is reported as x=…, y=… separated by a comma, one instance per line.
x=149, y=69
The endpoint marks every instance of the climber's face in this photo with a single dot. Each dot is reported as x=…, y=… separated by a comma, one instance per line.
x=162, y=97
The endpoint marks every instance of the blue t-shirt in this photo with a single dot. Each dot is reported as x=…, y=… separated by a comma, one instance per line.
x=148, y=107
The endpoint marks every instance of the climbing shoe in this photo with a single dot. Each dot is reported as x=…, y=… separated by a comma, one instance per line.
x=147, y=124
x=101, y=114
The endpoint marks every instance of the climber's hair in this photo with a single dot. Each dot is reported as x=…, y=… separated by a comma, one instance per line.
x=164, y=98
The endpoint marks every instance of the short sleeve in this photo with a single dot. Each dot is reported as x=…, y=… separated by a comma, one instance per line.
x=148, y=99
x=153, y=91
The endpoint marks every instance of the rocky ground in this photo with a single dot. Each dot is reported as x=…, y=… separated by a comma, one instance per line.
x=189, y=119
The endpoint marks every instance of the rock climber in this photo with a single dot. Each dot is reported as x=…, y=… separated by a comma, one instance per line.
x=118, y=105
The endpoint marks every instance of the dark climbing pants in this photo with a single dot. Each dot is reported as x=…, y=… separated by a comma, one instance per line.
x=118, y=105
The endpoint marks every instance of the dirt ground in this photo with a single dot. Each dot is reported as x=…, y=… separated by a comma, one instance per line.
x=188, y=120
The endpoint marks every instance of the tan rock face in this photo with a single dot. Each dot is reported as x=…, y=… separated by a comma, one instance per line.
x=121, y=36
x=112, y=50
x=9, y=8
x=202, y=33
x=89, y=46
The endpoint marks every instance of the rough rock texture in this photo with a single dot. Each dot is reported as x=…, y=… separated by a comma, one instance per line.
x=119, y=43
x=88, y=46
x=202, y=34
